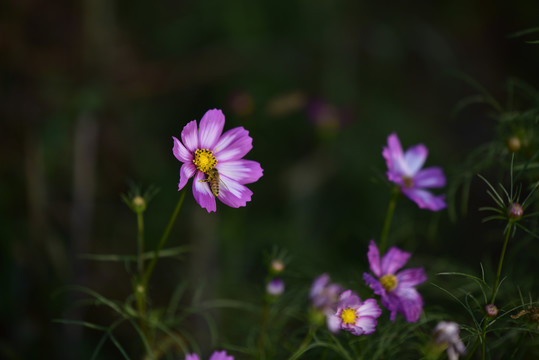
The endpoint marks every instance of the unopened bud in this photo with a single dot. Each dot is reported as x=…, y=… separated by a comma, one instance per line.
x=514, y=144
x=277, y=266
x=515, y=211
x=139, y=204
x=491, y=310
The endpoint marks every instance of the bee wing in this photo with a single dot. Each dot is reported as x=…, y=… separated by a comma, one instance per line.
x=223, y=183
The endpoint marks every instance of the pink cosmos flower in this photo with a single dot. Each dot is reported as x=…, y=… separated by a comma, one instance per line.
x=355, y=316
x=215, y=159
x=395, y=288
x=217, y=355
x=325, y=297
x=404, y=169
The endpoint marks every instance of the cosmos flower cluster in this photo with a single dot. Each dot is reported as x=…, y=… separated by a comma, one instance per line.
x=344, y=310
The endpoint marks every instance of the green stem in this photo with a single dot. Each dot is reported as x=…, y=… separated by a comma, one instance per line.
x=493, y=295
x=140, y=247
x=389, y=216
x=262, y=335
x=140, y=282
x=304, y=344
x=151, y=266
x=500, y=264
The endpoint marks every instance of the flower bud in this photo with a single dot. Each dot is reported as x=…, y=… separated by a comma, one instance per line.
x=275, y=287
x=515, y=211
x=514, y=144
x=139, y=204
x=276, y=266
x=491, y=310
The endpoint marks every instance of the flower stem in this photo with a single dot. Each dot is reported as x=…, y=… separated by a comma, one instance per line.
x=499, y=272
x=140, y=247
x=304, y=344
x=166, y=233
x=494, y=293
x=140, y=282
x=389, y=216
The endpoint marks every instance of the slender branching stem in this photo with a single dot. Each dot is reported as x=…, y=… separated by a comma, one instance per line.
x=500, y=263
x=166, y=233
x=140, y=243
x=140, y=282
x=389, y=217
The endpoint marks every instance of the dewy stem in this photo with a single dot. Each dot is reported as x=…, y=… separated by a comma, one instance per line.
x=389, y=216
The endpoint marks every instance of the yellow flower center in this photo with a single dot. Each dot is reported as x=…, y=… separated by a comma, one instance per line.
x=389, y=282
x=408, y=182
x=204, y=160
x=348, y=316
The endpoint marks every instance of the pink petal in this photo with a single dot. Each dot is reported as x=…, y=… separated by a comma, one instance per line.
x=202, y=193
x=234, y=194
x=432, y=177
x=367, y=324
x=190, y=136
x=186, y=172
x=242, y=171
x=411, y=277
x=393, y=155
x=414, y=158
x=211, y=127
x=180, y=152
x=410, y=303
x=334, y=323
x=393, y=260
x=426, y=200
x=233, y=144
x=374, y=259
x=349, y=299
x=374, y=284
x=192, y=357
x=369, y=308
x=220, y=355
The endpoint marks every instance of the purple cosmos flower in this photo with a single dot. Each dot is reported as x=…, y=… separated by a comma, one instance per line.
x=355, y=316
x=324, y=297
x=446, y=334
x=217, y=355
x=396, y=289
x=404, y=169
x=215, y=160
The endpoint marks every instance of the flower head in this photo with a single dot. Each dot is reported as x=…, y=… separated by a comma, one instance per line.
x=446, y=334
x=217, y=355
x=404, y=169
x=355, y=316
x=324, y=298
x=397, y=289
x=215, y=159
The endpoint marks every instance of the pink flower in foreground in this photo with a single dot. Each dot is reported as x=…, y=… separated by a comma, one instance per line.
x=356, y=316
x=215, y=159
x=217, y=355
x=397, y=290
x=404, y=169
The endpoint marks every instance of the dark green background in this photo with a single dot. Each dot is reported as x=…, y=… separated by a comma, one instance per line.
x=92, y=91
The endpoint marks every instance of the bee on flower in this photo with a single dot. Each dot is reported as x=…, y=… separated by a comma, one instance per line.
x=215, y=160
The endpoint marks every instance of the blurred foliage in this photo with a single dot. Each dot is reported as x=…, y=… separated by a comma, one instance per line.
x=92, y=91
